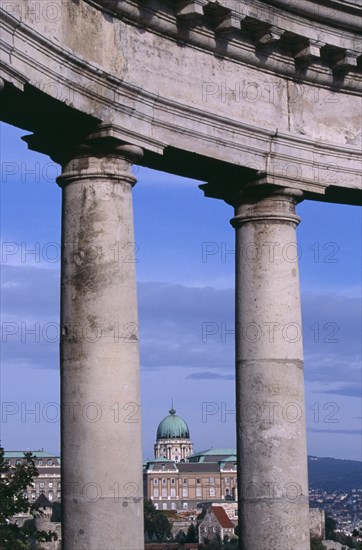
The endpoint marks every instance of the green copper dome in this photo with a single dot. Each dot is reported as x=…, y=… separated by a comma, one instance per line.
x=173, y=427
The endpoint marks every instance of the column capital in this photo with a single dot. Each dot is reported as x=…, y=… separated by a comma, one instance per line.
x=257, y=201
x=276, y=205
x=101, y=159
x=63, y=148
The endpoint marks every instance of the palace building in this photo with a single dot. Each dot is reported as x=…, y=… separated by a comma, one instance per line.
x=178, y=479
x=173, y=438
x=48, y=482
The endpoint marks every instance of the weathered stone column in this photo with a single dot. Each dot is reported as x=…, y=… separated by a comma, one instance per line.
x=271, y=427
x=102, y=491
x=271, y=430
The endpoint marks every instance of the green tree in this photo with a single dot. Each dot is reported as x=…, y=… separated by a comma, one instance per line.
x=232, y=544
x=316, y=544
x=192, y=534
x=331, y=525
x=156, y=522
x=14, y=481
x=216, y=544
x=343, y=539
x=180, y=537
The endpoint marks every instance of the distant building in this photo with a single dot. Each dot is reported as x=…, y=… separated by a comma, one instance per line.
x=177, y=479
x=45, y=523
x=215, y=523
x=48, y=483
x=332, y=545
x=173, y=438
x=317, y=522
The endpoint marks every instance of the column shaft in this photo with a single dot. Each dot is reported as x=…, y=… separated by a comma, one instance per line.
x=102, y=491
x=271, y=431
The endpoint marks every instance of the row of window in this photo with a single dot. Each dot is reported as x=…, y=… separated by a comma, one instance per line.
x=185, y=492
x=50, y=462
x=185, y=506
x=198, y=481
x=42, y=484
x=177, y=449
x=50, y=495
x=50, y=485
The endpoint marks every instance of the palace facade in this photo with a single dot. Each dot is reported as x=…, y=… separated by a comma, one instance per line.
x=48, y=482
x=178, y=479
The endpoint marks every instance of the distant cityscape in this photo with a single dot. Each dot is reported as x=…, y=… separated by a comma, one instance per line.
x=180, y=480
x=344, y=507
x=336, y=487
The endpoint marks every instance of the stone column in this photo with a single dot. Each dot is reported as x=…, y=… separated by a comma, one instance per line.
x=270, y=408
x=271, y=430
x=101, y=452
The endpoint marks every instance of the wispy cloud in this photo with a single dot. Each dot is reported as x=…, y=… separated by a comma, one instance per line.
x=211, y=376
x=172, y=329
x=335, y=431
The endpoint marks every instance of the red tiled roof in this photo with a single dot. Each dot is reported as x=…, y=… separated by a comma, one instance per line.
x=222, y=517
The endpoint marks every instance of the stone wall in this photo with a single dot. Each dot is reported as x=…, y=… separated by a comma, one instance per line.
x=317, y=521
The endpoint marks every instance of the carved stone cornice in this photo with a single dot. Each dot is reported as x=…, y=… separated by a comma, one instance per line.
x=340, y=14
x=305, y=148
x=286, y=35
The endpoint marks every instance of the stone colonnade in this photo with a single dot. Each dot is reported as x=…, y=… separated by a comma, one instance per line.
x=101, y=449
x=270, y=404
x=272, y=452
x=101, y=433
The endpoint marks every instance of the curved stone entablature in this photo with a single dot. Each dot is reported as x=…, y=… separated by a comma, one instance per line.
x=338, y=13
x=272, y=92
x=260, y=34
x=264, y=106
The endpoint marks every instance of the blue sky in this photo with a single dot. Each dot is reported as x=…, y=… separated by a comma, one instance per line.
x=179, y=289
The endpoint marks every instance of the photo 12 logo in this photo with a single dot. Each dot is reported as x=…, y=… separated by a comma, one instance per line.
x=90, y=412
x=37, y=11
